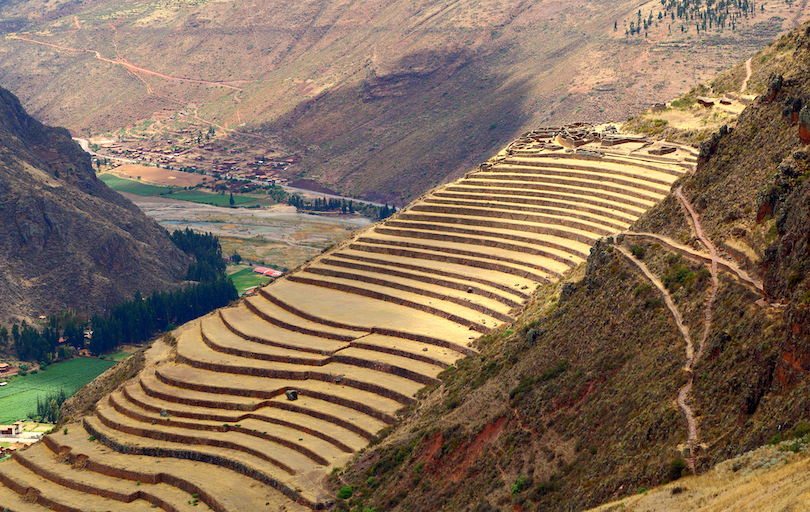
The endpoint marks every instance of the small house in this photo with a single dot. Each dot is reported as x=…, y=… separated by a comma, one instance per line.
x=11, y=430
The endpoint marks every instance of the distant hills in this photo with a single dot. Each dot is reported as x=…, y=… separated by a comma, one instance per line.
x=382, y=101
x=66, y=239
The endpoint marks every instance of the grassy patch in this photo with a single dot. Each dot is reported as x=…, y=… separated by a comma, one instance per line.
x=195, y=196
x=18, y=399
x=119, y=355
x=245, y=278
x=132, y=186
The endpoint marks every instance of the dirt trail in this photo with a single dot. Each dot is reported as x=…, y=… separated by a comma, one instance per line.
x=676, y=315
x=714, y=256
x=691, y=441
x=728, y=266
x=747, y=75
x=231, y=84
x=693, y=354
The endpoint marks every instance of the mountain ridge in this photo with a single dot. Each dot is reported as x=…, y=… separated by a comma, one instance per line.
x=68, y=240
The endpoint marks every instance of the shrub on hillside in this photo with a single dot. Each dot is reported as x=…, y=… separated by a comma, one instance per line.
x=676, y=469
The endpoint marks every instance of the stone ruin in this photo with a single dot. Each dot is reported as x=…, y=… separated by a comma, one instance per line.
x=570, y=137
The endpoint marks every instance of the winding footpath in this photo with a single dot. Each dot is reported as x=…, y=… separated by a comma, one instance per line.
x=691, y=440
x=676, y=315
x=693, y=354
x=747, y=75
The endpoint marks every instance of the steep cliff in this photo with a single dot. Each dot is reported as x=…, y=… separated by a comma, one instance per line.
x=66, y=239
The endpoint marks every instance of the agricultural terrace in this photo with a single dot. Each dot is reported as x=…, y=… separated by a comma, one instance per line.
x=270, y=394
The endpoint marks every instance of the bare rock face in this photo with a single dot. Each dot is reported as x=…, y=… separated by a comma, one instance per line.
x=66, y=239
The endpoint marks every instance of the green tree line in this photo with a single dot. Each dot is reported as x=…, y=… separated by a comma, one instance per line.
x=137, y=319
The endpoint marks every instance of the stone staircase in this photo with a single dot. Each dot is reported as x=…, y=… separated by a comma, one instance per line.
x=356, y=332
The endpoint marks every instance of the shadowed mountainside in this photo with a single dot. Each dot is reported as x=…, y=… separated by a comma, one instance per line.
x=66, y=239
x=575, y=403
x=379, y=100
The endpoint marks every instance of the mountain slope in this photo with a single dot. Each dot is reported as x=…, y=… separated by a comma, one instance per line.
x=66, y=239
x=589, y=396
x=382, y=100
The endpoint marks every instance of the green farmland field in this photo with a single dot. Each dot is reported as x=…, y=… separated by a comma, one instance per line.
x=132, y=186
x=206, y=198
x=19, y=398
x=245, y=278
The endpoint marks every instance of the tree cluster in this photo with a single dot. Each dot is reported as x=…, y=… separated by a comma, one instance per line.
x=135, y=320
x=48, y=408
x=207, y=252
x=35, y=344
x=706, y=14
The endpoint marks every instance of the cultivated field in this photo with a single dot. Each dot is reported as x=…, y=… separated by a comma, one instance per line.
x=132, y=186
x=159, y=175
x=244, y=278
x=354, y=334
x=19, y=398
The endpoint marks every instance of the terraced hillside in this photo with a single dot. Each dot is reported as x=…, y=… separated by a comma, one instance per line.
x=356, y=333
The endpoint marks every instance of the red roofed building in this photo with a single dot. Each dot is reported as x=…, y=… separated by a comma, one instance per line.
x=268, y=271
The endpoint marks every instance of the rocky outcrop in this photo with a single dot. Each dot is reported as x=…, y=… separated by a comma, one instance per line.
x=66, y=239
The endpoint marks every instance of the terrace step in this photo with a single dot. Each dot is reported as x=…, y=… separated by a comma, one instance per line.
x=270, y=437
x=51, y=495
x=221, y=339
x=256, y=468
x=13, y=501
x=646, y=169
x=217, y=335
x=504, y=202
x=288, y=320
x=380, y=317
x=454, y=271
x=444, y=309
x=542, y=263
x=369, y=402
x=581, y=188
x=546, y=245
x=363, y=421
x=245, y=323
x=650, y=162
x=331, y=431
x=574, y=230
x=48, y=465
x=550, y=241
x=561, y=216
x=558, y=224
x=227, y=444
x=405, y=249
x=213, y=484
x=191, y=350
x=399, y=363
x=636, y=188
x=529, y=196
x=462, y=283
x=368, y=279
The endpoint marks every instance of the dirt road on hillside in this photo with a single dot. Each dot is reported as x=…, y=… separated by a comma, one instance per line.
x=747, y=75
x=230, y=84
